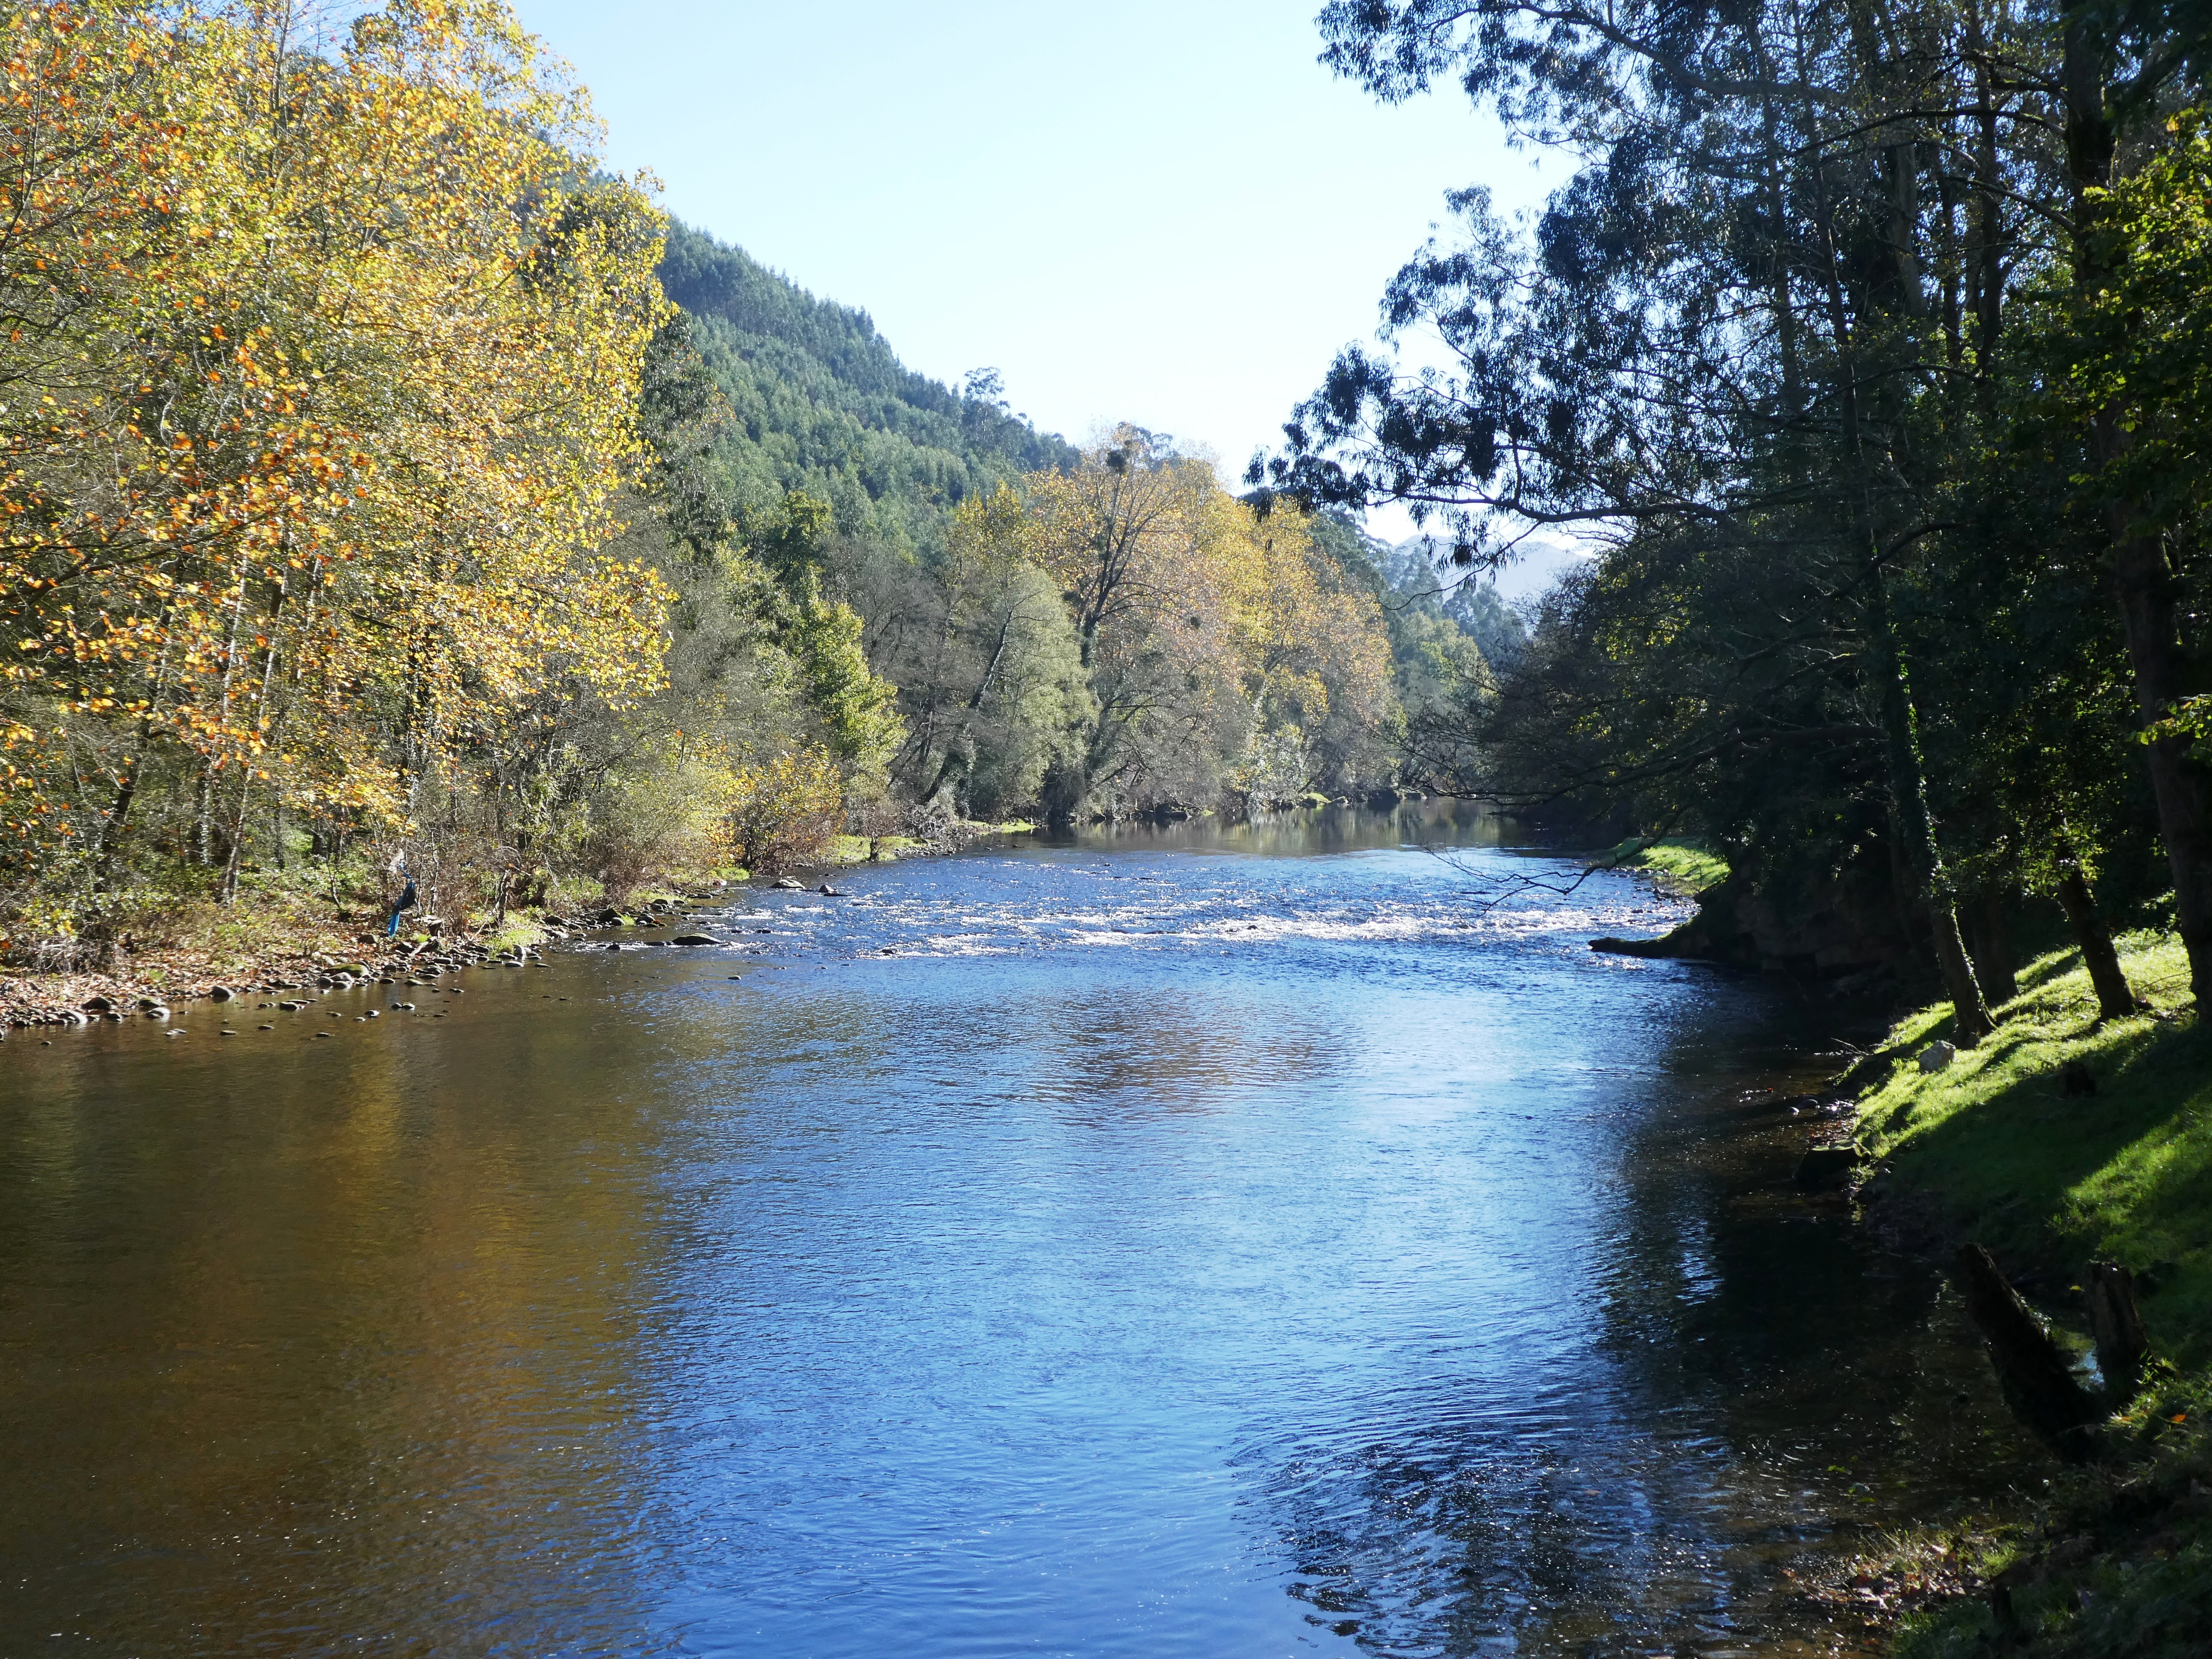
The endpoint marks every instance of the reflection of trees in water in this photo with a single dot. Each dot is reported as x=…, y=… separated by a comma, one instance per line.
x=1761, y=1383
x=1812, y=1356
x=1472, y=1540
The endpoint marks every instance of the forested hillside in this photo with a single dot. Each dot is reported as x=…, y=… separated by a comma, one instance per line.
x=398, y=503
x=820, y=404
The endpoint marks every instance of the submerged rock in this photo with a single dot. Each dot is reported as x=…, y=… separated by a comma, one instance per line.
x=695, y=938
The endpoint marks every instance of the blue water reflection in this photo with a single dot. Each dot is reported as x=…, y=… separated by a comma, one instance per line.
x=1210, y=1243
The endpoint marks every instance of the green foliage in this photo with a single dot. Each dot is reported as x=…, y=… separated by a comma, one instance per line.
x=858, y=712
x=822, y=406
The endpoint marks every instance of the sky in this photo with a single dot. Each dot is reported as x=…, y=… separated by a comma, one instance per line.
x=1164, y=213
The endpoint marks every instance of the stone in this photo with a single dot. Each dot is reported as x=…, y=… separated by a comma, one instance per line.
x=828, y=891
x=785, y=884
x=219, y=994
x=98, y=1004
x=695, y=938
x=148, y=1004
x=1937, y=1055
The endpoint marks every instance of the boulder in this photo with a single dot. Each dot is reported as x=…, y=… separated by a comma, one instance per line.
x=219, y=994
x=1937, y=1055
x=695, y=938
x=98, y=1004
x=787, y=884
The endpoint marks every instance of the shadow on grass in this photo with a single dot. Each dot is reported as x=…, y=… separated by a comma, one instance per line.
x=2049, y=1183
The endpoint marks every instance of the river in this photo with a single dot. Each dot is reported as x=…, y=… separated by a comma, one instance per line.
x=1275, y=1239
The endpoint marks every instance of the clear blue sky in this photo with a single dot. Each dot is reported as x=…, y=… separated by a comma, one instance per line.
x=1156, y=212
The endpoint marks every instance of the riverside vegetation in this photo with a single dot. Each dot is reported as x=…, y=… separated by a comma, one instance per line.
x=394, y=494
x=1866, y=345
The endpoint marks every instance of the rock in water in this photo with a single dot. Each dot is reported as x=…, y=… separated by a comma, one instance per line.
x=787, y=884
x=695, y=938
x=219, y=994
x=828, y=891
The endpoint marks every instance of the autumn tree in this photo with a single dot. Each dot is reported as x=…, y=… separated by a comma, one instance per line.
x=326, y=374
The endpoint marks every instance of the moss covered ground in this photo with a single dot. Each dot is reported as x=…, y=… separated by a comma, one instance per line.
x=2113, y=1561
x=1675, y=865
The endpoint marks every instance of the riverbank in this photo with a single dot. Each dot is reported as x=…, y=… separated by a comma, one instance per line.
x=294, y=928
x=2060, y=1140
x=1680, y=868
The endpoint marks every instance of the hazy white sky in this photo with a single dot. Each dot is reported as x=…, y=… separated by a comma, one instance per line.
x=1167, y=213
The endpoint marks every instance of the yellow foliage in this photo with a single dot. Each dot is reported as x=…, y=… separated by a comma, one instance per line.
x=321, y=370
x=1193, y=607
x=786, y=811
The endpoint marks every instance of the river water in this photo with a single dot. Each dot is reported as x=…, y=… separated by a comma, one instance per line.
x=1272, y=1240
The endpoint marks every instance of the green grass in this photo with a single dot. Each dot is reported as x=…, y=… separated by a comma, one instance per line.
x=2124, y=1175
x=2113, y=1561
x=1674, y=865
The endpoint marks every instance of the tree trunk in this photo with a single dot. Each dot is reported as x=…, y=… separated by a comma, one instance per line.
x=2166, y=671
x=1907, y=776
x=2122, y=1342
x=2144, y=580
x=1988, y=941
x=2037, y=1379
x=2115, y=1000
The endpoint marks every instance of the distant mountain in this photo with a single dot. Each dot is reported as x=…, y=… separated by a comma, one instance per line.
x=1421, y=565
x=823, y=403
x=1536, y=563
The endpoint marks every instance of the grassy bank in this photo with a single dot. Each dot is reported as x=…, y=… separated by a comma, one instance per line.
x=1675, y=865
x=2115, y=1559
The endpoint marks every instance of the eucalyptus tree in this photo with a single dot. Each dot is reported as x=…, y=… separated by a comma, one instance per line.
x=1757, y=348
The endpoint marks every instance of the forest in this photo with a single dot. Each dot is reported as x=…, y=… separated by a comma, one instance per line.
x=394, y=494
x=1867, y=349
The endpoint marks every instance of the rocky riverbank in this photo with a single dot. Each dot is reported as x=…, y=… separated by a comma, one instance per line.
x=167, y=982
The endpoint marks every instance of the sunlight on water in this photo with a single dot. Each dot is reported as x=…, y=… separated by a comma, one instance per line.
x=1282, y=1239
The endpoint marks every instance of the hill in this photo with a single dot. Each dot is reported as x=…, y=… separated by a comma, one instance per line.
x=823, y=403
